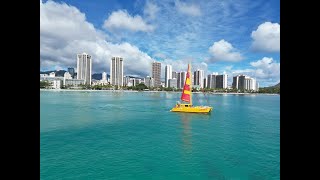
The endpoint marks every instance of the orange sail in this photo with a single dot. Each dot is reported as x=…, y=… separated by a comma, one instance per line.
x=186, y=93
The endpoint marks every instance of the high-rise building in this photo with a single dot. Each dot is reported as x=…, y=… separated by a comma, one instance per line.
x=198, y=77
x=250, y=83
x=116, y=71
x=104, y=76
x=126, y=80
x=222, y=81
x=84, y=67
x=104, y=80
x=235, y=82
x=132, y=82
x=149, y=81
x=241, y=82
x=244, y=82
x=167, y=74
x=66, y=75
x=181, y=78
x=204, y=83
x=173, y=83
x=174, y=74
x=211, y=80
x=156, y=73
x=225, y=81
x=71, y=72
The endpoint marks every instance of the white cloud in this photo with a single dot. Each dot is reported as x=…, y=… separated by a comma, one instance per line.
x=150, y=10
x=122, y=20
x=64, y=32
x=188, y=9
x=224, y=51
x=266, y=68
x=267, y=37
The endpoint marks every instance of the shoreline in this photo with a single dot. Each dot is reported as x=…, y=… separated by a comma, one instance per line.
x=92, y=90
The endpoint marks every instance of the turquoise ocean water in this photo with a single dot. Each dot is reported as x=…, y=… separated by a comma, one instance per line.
x=133, y=135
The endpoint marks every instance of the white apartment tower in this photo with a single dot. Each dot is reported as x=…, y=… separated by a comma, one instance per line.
x=167, y=74
x=84, y=67
x=116, y=71
x=225, y=81
x=250, y=83
x=104, y=76
x=66, y=75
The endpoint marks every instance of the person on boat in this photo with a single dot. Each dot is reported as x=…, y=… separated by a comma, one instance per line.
x=178, y=104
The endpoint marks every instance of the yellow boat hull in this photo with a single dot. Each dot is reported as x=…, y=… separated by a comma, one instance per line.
x=193, y=109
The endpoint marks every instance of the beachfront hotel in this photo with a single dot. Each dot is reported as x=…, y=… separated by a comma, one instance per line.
x=149, y=82
x=116, y=71
x=167, y=74
x=244, y=82
x=84, y=67
x=211, y=80
x=217, y=81
x=222, y=81
x=156, y=73
x=235, y=82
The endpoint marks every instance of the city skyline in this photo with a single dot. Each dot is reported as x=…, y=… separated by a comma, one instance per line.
x=236, y=38
x=199, y=80
x=172, y=78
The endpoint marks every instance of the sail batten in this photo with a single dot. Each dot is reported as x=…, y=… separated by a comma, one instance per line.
x=186, y=92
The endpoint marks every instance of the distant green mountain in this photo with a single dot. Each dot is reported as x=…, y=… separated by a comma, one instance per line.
x=277, y=85
x=271, y=89
x=98, y=76
x=59, y=73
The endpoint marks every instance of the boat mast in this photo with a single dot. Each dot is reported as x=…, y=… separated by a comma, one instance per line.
x=190, y=85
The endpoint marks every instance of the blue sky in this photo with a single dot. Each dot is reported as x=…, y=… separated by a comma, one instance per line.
x=230, y=37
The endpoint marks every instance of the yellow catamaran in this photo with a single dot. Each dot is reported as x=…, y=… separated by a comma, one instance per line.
x=187, y=97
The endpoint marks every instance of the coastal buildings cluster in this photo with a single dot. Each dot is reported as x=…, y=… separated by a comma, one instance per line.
x=172, y=79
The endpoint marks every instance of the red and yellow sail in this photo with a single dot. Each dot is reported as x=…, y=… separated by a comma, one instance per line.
x=186, y=92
